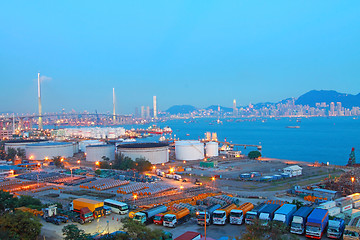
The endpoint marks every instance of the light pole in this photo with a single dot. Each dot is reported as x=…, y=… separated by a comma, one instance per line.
x=78, y=161
x=213, y=179
x=135, y=197
x=352, y=181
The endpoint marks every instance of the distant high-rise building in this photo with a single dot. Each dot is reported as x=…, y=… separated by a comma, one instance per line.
x=339, y=108
x=114, y=114
x=154, y=106
x=39, y=103
x=142, y=112
x=332, y=109
x=235, y=110
x=147, y=112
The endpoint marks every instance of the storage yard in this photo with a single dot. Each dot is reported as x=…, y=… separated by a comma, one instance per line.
x=182, y=192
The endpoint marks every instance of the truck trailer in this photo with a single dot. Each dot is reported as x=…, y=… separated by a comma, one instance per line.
x=96, y=207
x=189, y=235
x=220, y=216
x=250, y=216
x=299, y=220
x=176, y=217
x=237, y=214
x=146, y=216
x=316, y=223
x=285, y=213
x=267, y=213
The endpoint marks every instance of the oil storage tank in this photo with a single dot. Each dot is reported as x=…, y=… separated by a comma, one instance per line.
x=48, y=150
x=189, y=150
x=156, y=153
x=97, y=152
x=212, y=149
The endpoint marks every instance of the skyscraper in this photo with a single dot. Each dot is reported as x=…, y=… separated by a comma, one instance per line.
x=235, y=110
x=39, y=103
x=148, y=112
x=142, y=112
x=154, y=106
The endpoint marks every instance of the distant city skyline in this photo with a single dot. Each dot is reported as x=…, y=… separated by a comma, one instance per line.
x=185, y=52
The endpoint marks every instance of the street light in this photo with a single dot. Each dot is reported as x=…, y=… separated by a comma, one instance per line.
x=78, y=161
x=135, y=197
x=213, y=179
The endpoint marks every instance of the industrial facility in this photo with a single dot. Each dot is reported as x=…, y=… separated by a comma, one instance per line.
x=189, y=150
x=48, y=150
x=96, y=153
x=156, y=153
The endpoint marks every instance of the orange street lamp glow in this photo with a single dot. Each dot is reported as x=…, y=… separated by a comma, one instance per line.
x=135, y=196
x=181, y=187
x=154, y=167
x=61, y=160
x=171, y=170
x=184, y=162
x=97, y=163
x=352, y=179
x=78, y=161
x=213, y=178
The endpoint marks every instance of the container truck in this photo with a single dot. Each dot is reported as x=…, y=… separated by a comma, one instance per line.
x=209, y=212
x=254, y=213
x=189, y=235
x=176, y=217
x=267, y=213
x=237, y=214
x=285, y=213
x=335, y=228
x=352, y=230
x=345, y=203
x=159, y=218
x=221, y=216
x=133, y=212
x=146, y=216
x=96, y=207
x=299, y=220
x=316, y=223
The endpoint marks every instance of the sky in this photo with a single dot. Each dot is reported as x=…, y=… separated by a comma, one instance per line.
x=200, y=53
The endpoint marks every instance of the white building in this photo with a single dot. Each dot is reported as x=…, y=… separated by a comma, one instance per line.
x=293, y=171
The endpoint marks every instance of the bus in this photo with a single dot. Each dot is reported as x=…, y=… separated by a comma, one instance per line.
x=117, y=207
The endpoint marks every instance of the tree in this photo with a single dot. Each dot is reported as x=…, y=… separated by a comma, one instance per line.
x=7, y=201
x=57, y=161
x=255, y=231
x=105, y=158
x=21, y=153
x=72, y=232
x=139, y=231
x=142, y=165
x=298, y=203
x=123, y=163
x=254, y=154
x=20, y=225
x=97, y=171
x=11, y=153
x=30, y=202
x=104, y=165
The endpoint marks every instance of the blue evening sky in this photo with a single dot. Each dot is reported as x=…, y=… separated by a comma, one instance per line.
x=184, y=52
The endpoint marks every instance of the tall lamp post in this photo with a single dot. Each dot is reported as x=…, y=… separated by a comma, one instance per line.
x=352, y=183
x=135, y=197
x=213, y=179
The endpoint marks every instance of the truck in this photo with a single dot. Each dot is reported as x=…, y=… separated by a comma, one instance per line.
x=285, y=213
x=147, y=216
x=221, y=216
x=352, y=230
x=96, y=207
x=209, y=212
x=133, y=212
x=189, y=235
x=267, y=213
x=159, y=218
x=316, y=223
x=299, y=220
x=176, y=217
x=237, y=214
x=250, y=216
x=345, y=203
x=335, y=228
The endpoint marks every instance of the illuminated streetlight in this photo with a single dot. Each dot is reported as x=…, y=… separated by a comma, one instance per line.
x=135, y=197
x=61, y=160
x=181, y=187
x=213, y=179
x=352, y=179
x=97, y=163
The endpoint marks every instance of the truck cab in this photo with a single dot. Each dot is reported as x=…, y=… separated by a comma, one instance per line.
x=201, y=218
x=219, y=217
x=140, y=217
x=236, y=216
x=299, y=220
x=335, y=228
x=159, y=219
x=85, y=215
x=170, y=220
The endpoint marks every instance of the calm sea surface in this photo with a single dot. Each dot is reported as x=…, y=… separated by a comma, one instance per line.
x=317, y=139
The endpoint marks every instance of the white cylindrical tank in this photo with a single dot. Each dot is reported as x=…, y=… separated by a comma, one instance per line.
x=85, y=143
x=212, y=149
x=189, y=150
x=96, y=153
x=156, y=153
x=49, y=150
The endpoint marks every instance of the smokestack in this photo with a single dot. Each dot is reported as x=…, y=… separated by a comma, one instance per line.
x=114, y=117
x=39, y=103
x=155, y=110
